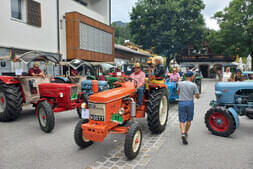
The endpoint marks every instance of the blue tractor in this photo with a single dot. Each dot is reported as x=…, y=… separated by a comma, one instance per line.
x=172, y=89
x=233, y=99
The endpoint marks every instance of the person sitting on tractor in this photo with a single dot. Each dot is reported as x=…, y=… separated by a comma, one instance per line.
x=159, y=71
x=139, y=77
x=118, y=72
x=74, y=72
x=238, y=76
x=174, y=76
x=35, y=70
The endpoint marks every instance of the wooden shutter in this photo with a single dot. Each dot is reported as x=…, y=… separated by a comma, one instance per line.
x=33, y=13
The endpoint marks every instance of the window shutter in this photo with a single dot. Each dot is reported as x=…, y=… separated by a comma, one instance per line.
x=33, y=13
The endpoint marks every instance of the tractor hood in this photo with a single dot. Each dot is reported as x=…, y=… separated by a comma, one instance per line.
x=225, y=91
x=126, y=89
x=233, y=85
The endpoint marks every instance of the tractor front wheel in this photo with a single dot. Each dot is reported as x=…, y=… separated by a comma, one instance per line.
x=157, y=110
x=45, y=117
x=133, y=141
x=10, y=102
x=220, y=122
x=80, y=140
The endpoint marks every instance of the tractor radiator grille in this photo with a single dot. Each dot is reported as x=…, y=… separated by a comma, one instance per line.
x=97, y=111
x=73, y=93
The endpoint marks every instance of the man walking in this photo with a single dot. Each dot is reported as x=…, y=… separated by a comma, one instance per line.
x=186, y=91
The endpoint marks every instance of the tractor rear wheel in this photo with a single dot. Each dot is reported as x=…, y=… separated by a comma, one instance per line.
x=45, y=117
x=133, y=141
x=250, y=116
x=157, y=110
x=220, y=122
x=78, y=135
x=10, y=102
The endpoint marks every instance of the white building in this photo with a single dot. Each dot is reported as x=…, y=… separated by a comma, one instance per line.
x=65, y=28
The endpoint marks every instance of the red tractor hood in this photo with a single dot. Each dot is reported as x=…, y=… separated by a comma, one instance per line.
x=126, y=89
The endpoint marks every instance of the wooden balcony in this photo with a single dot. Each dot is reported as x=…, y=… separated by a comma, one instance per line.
x=205, y=58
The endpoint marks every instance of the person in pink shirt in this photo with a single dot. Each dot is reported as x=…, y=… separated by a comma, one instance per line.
x=139, y=77
x=174, y=76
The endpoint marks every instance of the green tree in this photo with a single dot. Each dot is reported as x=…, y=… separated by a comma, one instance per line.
x=236, y=29
x=122, y=33
x=167, y=26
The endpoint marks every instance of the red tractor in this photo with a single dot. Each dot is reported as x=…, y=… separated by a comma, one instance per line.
x=17, y=89
x=113, y=112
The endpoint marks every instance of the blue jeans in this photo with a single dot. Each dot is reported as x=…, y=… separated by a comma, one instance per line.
x=140, y=93
x=185, y=111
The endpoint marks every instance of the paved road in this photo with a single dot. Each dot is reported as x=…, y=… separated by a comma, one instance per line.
x=25, y=146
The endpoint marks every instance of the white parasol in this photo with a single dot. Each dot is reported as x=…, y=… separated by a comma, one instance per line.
x=248, y=65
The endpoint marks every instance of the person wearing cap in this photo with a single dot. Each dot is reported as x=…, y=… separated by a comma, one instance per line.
x=74, y=72
x=139, y=77
x=35, y=70
x=186, y=91
x=118, y=72
x=159, y=71
x=174, y=76
x=238, y=76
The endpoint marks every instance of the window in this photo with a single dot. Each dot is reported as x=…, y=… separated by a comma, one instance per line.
x=28, y=11
x=16, y=9
x=33, y=13
x=96, y=40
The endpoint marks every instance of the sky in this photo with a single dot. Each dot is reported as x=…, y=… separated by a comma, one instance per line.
x=122, y=8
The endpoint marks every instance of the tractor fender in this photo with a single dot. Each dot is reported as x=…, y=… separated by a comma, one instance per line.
x=9, y=80
x=235, y=116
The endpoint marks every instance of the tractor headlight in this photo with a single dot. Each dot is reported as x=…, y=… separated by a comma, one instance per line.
x=121, y=111
x=61, y=95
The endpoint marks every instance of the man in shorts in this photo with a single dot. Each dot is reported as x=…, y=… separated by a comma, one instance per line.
x=186, y=91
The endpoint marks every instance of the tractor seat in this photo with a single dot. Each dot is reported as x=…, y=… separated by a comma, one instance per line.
x=158, y=81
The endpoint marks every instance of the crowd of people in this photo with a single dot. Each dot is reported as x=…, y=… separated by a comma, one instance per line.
x=228, y=76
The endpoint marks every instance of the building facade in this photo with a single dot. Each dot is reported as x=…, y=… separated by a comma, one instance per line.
x=207, y=62
x=65, y=28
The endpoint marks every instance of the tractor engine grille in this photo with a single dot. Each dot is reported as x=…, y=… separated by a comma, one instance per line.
x=97, y=111
x=73, y=93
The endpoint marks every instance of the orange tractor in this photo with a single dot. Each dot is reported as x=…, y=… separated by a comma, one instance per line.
x=113, y=112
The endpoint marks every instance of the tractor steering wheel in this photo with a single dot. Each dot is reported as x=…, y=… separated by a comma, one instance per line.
x=135, y=82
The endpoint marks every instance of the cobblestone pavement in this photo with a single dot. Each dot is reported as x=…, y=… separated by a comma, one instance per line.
x=150, y=145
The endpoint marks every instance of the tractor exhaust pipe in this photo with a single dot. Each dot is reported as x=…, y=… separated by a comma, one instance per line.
x=133, y=106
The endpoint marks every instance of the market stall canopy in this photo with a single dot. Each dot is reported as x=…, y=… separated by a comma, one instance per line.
x=76, y=63
x=104, y=66
x=31, y=56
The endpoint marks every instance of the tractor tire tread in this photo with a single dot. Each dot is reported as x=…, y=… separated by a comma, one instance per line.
x=134, y=127
x=49, y=116
x=153, y=111
x=231, y=120
x=78, y=135
x=14, y=102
